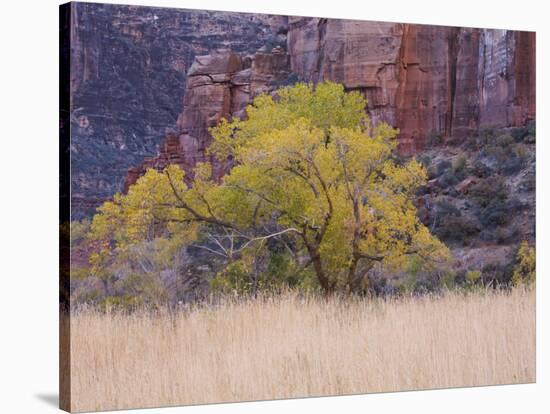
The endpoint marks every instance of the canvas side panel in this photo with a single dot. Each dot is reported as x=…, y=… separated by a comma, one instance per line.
x=64, y=205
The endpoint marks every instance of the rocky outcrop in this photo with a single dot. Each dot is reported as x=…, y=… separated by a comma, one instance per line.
x=129, y=68
x=140, y=75
x=219, y=85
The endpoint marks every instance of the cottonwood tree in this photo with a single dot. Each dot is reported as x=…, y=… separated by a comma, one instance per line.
x=310, y=170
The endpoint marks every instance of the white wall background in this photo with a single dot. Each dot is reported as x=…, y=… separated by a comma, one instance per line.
x=28, y=203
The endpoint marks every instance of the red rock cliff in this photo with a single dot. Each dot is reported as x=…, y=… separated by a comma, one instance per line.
x=421, y=79
x=219, y=85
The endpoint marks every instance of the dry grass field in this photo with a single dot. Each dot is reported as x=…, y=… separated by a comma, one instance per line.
x=288, y=346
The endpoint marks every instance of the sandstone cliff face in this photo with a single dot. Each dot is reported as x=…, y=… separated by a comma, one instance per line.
x=422, y=79
x=361, y=55
x=147, y=83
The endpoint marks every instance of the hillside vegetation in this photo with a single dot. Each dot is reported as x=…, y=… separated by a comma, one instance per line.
x=317, y=200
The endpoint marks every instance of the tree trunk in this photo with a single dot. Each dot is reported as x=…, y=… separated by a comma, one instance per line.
x=321, y=275
x=354, y=280
x=315, y=257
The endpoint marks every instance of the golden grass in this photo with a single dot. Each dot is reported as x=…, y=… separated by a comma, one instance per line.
x=281, y=347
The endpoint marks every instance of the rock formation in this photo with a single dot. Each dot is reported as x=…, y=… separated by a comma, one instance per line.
x=129, y=68
x=219, y=85
x=422, y=79
x=142, y=74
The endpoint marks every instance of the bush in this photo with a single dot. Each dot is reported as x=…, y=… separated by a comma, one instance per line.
x=379, y=286
x=460, y=164
x=443, y=166
x=486, y=134
x=493, y=207
x=495, y=214
x=520, y=151
x=506, y=235
x=269, y=273
x=435, y=138
x=503, y=151
x=511, y=165
x=425, y=160
x=505, y=141
x=79, y=230
x=235, y=278
x=519, y=133
x=458, y=229
x=473, y=279
x=524, y=270
x=445, y=208
x=447, y=179
x=451, y=225
x=480, y=169
x=497, y=274
x=447, y=279
x=488, y=190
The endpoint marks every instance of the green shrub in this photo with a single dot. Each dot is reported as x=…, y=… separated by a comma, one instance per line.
x=505, y=141
x=79, y=230
x=473, y=279
x=279, y=271
x=460, y=164
x=494, y=214
x=425, y=160
x=451, y=225
x=492, y=204
x=235, y=278
x=506, y=235
x=486, y=134
x=447, y=279
x=524, y=270
x=488, y=190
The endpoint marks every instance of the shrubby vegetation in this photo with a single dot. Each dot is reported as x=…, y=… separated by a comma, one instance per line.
x=524, y=271
x=473, y=195
x=317, y=200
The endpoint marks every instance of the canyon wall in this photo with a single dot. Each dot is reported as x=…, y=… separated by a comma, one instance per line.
x=129, y=69
x=422, y=79
x=148, y=83
x=218, y=86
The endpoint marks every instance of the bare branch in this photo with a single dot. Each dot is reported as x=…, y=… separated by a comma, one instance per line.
x=269, y=236
x=215, y=240
x=200, y=217
x=199, y=246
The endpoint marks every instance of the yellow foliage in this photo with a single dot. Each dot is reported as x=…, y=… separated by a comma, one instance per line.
x=308, y=163
x=524, y=271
